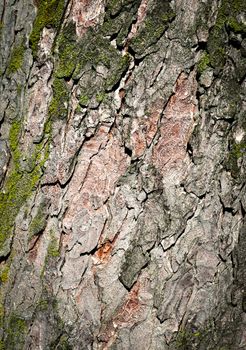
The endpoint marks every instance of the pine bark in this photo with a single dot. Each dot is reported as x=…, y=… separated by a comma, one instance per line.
x=122, y=174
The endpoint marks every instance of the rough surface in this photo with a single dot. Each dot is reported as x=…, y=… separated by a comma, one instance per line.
x=122, y=174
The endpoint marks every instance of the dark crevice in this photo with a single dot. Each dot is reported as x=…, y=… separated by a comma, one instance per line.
x=128, y=151
x=4, y=258
x=129, y=288
x=201, y=46
x=67, y=78
x=201, y=196
x=234, y=263
x=221, y=258
x=135, y=161
x=137, y=61
x=242, y=210
x=91, y=252
x=141, y=56
x=235, y=43
x=226, y=209
x=189, y=149
x=57, y=182
x=228, y=120
x=113, y=36
x=2, y=121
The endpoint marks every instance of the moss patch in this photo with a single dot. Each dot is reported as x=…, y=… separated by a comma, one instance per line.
x=16, y=59
x=185, y=339
x=153, y=27
x=121, y=67
x=84, y=100
x=4, y=274
x=237, y=150
x=53, y=248
x=100, y=97
x=228, y=16
x=49, y=14
x=204, y=63
x=119, y=17
x=19, y=184
x=236, y=26
x=68, y=51
x=16, y=332
x=59, y=105
x=38, y=223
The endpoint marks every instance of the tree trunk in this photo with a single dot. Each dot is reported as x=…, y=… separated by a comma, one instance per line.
x=122, y=173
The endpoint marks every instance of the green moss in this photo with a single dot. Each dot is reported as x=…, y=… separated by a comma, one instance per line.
x=119, y=6
x=59, y=104
x=94, y=49
x=43, y=305
x=53, y=248
x=216, y=48
x=49, y=14
x=19, y=184
x=39, y=221
x=16, y=333
x=120, y=24
x=16, y=59
x=203, y=63
x=237, y=151
x=1, y=311
x=67, y=50
x=228, y=15
x=14, y=135
x=153, y=27
x=189, y=340
x=4, y=274
x=119, y=69
x=18, y=188
x=100, y=97
x=19, y=89
x=114, y=6
x=44, y=153
x=236, y=26
x=47, y=306
x=183, y=340
x=84, y=100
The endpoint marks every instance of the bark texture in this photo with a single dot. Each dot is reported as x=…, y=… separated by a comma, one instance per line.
x=122, y=174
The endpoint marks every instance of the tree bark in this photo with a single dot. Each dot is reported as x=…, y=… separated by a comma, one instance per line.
x=122, y=174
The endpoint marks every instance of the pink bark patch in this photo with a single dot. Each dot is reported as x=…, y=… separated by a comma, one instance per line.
x=86, y=13
x=102, y=161
x=176, y=125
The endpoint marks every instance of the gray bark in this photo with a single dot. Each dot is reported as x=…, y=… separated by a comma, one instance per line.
x=122, y=174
